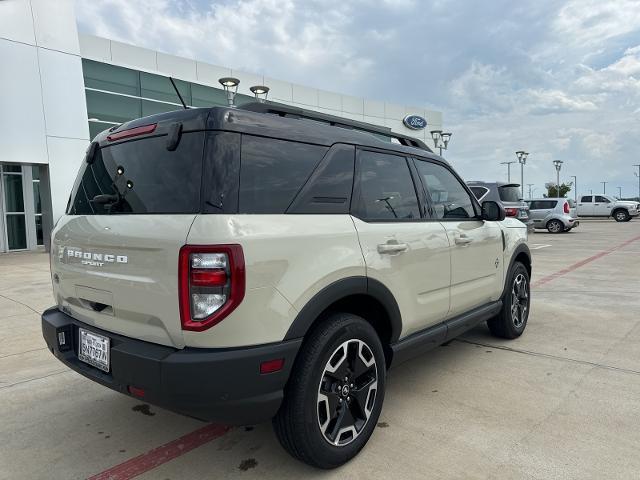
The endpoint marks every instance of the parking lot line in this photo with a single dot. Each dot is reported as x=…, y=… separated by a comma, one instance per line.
x=582, y=263
x=156, y=457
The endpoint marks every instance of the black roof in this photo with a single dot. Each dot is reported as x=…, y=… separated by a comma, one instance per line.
x=279, y=121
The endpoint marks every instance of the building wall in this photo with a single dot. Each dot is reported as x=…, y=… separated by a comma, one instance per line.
x=372, y=111
x=43, y=114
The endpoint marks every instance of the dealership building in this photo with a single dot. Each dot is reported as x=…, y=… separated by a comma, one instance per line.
x=59, y=88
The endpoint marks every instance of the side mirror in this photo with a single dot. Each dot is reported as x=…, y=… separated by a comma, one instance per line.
x=493, y=211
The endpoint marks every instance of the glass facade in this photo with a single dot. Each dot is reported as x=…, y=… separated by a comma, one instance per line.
x=20, y=207
x=117, y=94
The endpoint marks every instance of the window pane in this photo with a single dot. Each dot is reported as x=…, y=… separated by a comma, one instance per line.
x=36, y=197
x=448, y=197
x=207, y=96
x=162, y=181
x=602, y=199
x=13, y=193
x=479, y=192
x=586, y=198
x=112, y=108
x=35, y=172
x=160, y=88
x=108, y=77
x=39, y=236
x=509, y=193
x=272, y=171
x=386, y=188
x=16, y=232
x=96, y=127
x=151, y=108
x=12, y=168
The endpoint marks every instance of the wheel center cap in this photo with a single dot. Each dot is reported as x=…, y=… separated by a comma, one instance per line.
x=345, y=391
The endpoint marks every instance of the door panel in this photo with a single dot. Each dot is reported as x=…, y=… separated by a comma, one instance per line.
x=602, y=206
x=585, y=206
x=477, y=270
x=476, y=263
x=409, y=255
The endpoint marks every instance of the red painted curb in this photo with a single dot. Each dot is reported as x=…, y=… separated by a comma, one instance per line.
x=156, y=457
x=582, y=263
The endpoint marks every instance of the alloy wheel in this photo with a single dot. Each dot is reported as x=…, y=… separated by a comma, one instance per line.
x=347, y=392
x=555, y=226
x=519, y=300
x=621, y=216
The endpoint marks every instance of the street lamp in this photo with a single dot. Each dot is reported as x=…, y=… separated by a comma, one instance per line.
x=638, y=175
x=260, y=92
x=604, y=187
x=558, y=165
x=230, y=85
x=508, y=164
x=441, y=139
x=575, y=187
x=530, y=191
x=522, y=158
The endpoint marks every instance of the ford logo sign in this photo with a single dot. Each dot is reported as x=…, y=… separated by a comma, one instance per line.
x=415, y=122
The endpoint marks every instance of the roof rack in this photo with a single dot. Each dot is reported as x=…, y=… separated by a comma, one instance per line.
x=295, y=112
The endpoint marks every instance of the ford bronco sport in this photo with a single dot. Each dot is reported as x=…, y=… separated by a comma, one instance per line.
x=266, y=262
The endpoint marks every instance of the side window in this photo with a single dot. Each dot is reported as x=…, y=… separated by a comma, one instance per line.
x=586, y=199
x=273, y=171
x=534, y=205
x=385, y=188
x=600, y=199
x=449, y=198
x=328, y=190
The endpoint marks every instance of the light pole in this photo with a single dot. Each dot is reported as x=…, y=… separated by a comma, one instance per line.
x=638, y=175
x=604, y=187
x=230, y=85
x=619, y=193
x=575, y=188
x=558, y=165
x=441, y=139
x=508, y=164
x=530, y=191
x=522, y=158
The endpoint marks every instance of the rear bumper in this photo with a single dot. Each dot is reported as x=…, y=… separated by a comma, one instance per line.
x=218, y=385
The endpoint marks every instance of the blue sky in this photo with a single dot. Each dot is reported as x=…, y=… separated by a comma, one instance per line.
x=560, y=79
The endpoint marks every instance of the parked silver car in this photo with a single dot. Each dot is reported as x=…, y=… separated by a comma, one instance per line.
x=555, y=214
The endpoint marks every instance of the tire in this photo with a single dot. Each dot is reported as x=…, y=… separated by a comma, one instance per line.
x=317, y=397
x=555, y=226
x=621, y=216
x=505, y=324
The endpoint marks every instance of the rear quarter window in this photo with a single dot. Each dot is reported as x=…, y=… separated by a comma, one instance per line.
x=141, y=177
x=273, y=171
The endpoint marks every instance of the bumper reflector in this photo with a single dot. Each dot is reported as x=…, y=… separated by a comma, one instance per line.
x=271, y=366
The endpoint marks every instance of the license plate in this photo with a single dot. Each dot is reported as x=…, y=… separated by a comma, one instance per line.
x=94, y=349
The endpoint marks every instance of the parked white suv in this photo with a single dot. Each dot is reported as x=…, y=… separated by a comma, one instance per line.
x=606, y=206
x=238, y=265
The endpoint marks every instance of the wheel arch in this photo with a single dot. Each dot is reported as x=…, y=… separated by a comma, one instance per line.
x=362, y=296
x=520, y=254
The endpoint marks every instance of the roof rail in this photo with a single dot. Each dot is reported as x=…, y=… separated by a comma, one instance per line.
x=295, y=112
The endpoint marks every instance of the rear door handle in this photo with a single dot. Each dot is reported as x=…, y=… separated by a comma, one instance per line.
x=463, y=240
x=391, y=248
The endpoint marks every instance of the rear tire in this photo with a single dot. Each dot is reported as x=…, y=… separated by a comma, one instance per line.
x=512, y=319
x=621, y=216
x=555, y=226
x=324, y=419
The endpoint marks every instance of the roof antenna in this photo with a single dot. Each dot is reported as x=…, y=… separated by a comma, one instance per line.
x=178, y=92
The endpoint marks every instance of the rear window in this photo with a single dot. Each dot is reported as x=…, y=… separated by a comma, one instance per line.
x=509, y=193
x=141, y=177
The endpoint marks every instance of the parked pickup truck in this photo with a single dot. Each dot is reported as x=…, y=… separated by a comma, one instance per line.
x=606, y=206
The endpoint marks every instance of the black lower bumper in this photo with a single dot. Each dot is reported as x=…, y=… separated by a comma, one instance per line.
x=219, y=385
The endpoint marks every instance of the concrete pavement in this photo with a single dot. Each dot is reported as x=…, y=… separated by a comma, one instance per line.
x=563, y=401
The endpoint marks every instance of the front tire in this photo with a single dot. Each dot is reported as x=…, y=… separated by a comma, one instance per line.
x=621, y=216
x=512, y=319
x=334, y=397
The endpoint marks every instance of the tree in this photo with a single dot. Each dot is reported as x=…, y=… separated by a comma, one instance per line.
x=552, y=191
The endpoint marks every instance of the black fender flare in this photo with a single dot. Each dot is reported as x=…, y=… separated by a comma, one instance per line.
x=522, y=248
x=357, y=285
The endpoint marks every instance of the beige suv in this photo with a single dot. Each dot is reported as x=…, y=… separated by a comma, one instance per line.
x=265, y=262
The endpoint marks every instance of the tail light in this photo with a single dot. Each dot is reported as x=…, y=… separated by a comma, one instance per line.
x=566, y=207
x=511, y=212
x=211, y=284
